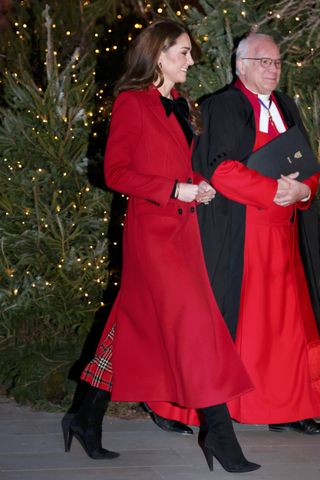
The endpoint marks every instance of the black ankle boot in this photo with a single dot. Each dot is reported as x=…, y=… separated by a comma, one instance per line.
x=221, y=441
x=86, y=424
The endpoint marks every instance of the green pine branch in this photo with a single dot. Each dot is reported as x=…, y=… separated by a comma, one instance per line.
x=53, y=225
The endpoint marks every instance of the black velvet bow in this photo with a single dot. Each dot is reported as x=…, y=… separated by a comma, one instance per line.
x=179, y=105
x=180, y=109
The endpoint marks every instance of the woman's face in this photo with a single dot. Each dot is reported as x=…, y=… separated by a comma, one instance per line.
x=175, y=61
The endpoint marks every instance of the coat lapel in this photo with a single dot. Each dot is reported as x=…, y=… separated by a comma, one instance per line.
x=171, y=124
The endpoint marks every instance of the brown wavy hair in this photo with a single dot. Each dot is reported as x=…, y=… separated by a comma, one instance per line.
x=142, y=59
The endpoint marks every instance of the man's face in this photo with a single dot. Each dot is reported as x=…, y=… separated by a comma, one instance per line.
x=256, y=77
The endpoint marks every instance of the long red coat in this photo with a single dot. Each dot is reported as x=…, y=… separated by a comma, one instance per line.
x=171, y=343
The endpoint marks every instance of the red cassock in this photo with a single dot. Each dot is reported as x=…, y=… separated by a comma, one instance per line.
x=277, y=337
x=170, y=343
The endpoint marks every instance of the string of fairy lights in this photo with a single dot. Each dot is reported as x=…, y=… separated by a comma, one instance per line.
x=94, y=258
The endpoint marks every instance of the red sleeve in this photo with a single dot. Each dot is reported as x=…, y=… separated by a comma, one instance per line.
x=119, y=162
x=237, y=182
x=313, y=183
x=198, y=178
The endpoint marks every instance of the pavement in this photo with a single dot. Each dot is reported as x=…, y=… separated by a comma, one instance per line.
x=31, y=448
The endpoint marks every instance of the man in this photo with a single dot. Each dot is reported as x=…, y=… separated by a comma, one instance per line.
x=251, y=244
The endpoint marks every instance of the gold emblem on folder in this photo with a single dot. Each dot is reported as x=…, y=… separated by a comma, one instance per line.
x=298, y=154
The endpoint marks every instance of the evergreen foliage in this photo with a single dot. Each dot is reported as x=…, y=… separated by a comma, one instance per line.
x=53, y=224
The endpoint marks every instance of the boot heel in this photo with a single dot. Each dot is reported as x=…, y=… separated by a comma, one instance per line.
x=67, y=432
x=69, y=440
x=208, y=456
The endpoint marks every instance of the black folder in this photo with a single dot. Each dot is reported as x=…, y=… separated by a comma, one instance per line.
x=289, y=152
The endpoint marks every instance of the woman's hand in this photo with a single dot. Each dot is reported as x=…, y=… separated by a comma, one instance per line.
x=186, y=192
x=206, y=193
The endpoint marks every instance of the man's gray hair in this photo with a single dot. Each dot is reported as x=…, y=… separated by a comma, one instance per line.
x=245, y=43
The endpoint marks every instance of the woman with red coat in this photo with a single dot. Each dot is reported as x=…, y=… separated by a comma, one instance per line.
x=165, y=340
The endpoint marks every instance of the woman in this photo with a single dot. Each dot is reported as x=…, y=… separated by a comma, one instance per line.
x=165, y=334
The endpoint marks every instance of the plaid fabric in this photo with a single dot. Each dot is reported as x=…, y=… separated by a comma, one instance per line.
x=98, y=372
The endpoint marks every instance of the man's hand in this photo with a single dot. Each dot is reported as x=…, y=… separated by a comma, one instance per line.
x=290, y=190
x=206, y=193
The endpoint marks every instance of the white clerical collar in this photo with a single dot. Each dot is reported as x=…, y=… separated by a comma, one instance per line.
x=264, y=97
x=269, y=113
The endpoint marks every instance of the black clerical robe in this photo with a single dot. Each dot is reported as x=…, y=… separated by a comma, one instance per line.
x=229, y=133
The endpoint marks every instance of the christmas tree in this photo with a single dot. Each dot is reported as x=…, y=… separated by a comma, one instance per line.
x=54, y=224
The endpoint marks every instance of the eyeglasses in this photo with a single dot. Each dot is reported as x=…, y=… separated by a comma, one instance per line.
x=266, y=62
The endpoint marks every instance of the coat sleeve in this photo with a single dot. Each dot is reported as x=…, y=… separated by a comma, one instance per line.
x=313, y=183
x=121, y=173
x=243, y=185
x=197, y=178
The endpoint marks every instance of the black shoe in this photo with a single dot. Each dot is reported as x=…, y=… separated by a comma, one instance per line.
x=171, y=425
x=166, y=424
x=308, y=426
